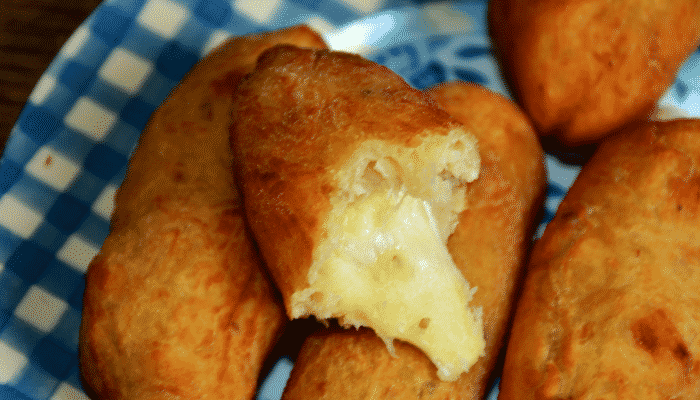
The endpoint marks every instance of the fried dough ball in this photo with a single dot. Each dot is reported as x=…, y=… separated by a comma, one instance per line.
x=609, y=306
x=583, y=68
x=353, y=182
x=176, y=304
x=489, y=247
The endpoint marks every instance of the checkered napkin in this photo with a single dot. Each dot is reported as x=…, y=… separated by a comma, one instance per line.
x=67, y=155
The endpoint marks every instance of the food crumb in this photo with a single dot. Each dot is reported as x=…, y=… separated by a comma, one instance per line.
x=423, y=324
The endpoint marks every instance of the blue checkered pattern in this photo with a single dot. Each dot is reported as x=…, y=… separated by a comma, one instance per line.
x=67, y=153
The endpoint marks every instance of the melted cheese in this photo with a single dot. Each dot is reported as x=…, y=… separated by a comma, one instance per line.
x=384, y=262
x=399, y=278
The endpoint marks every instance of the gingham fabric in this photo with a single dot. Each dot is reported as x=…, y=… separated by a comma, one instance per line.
x=67, y=153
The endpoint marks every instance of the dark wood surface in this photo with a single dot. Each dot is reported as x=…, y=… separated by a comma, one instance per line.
x=31, y=34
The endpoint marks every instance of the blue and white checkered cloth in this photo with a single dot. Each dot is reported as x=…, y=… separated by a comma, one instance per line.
x=67, y=154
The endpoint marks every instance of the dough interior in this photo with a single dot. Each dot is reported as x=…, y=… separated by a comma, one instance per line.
x=384, y=261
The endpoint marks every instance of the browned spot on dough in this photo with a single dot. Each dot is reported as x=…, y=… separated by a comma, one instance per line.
x=657, y=335
x=321, y=387
x=268, y=176
x=568, y=216
x=327, y=189
x=215, y=279
x=178, y=174
x=226, y=85
x=158, y=200
x=587, y=332
x=48, y=161
x=685, y=193
x=646, y=337
x=681, y=352
x=229, y=222
x=206, y=110
x=423, y=324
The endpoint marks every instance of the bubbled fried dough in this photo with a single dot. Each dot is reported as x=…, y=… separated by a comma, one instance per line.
x=301, y=116
x=176, y=305
x=489, y=246
x=609, y=307
x=583, y=68
x=355, y=364
x=352, y=182
x=197, y=111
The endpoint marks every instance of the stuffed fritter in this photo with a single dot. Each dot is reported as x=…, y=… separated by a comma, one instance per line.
x=610, y=304
x=176, y=304
x=353, y=181
x=489, y=246
x=583, y=68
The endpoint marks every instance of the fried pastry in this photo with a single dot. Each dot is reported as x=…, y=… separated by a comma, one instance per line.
x=583, y=68
x=352, y=183
x=489, y=246
x=609, y=306
x=176, y=304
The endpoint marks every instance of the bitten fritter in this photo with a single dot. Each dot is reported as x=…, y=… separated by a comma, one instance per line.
x=609, y=307
x=352, y=183
x=583, y=68
x=489, y=247
x=176, y=305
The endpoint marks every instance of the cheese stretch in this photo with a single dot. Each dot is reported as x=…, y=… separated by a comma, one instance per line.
x=385, y=262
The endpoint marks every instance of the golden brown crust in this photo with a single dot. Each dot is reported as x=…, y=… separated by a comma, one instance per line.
x=355, y=364
x=494, y=233
x=177, y=307
x=176, y=304
x=176, y=167
x=489, y=246
x=304, y=113
x=583, y=68
x=609, y=308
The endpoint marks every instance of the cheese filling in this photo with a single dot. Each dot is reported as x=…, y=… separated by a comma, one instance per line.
x=385, y=264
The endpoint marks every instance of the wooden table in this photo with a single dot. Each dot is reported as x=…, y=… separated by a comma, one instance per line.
x=31, y=34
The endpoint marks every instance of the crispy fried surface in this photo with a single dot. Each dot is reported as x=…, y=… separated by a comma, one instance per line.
x=188, y=152
x=355, y=364
x=176, y=305
x=583, y=68
x=304, y=113
x=609, y=309
x=489, y=246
